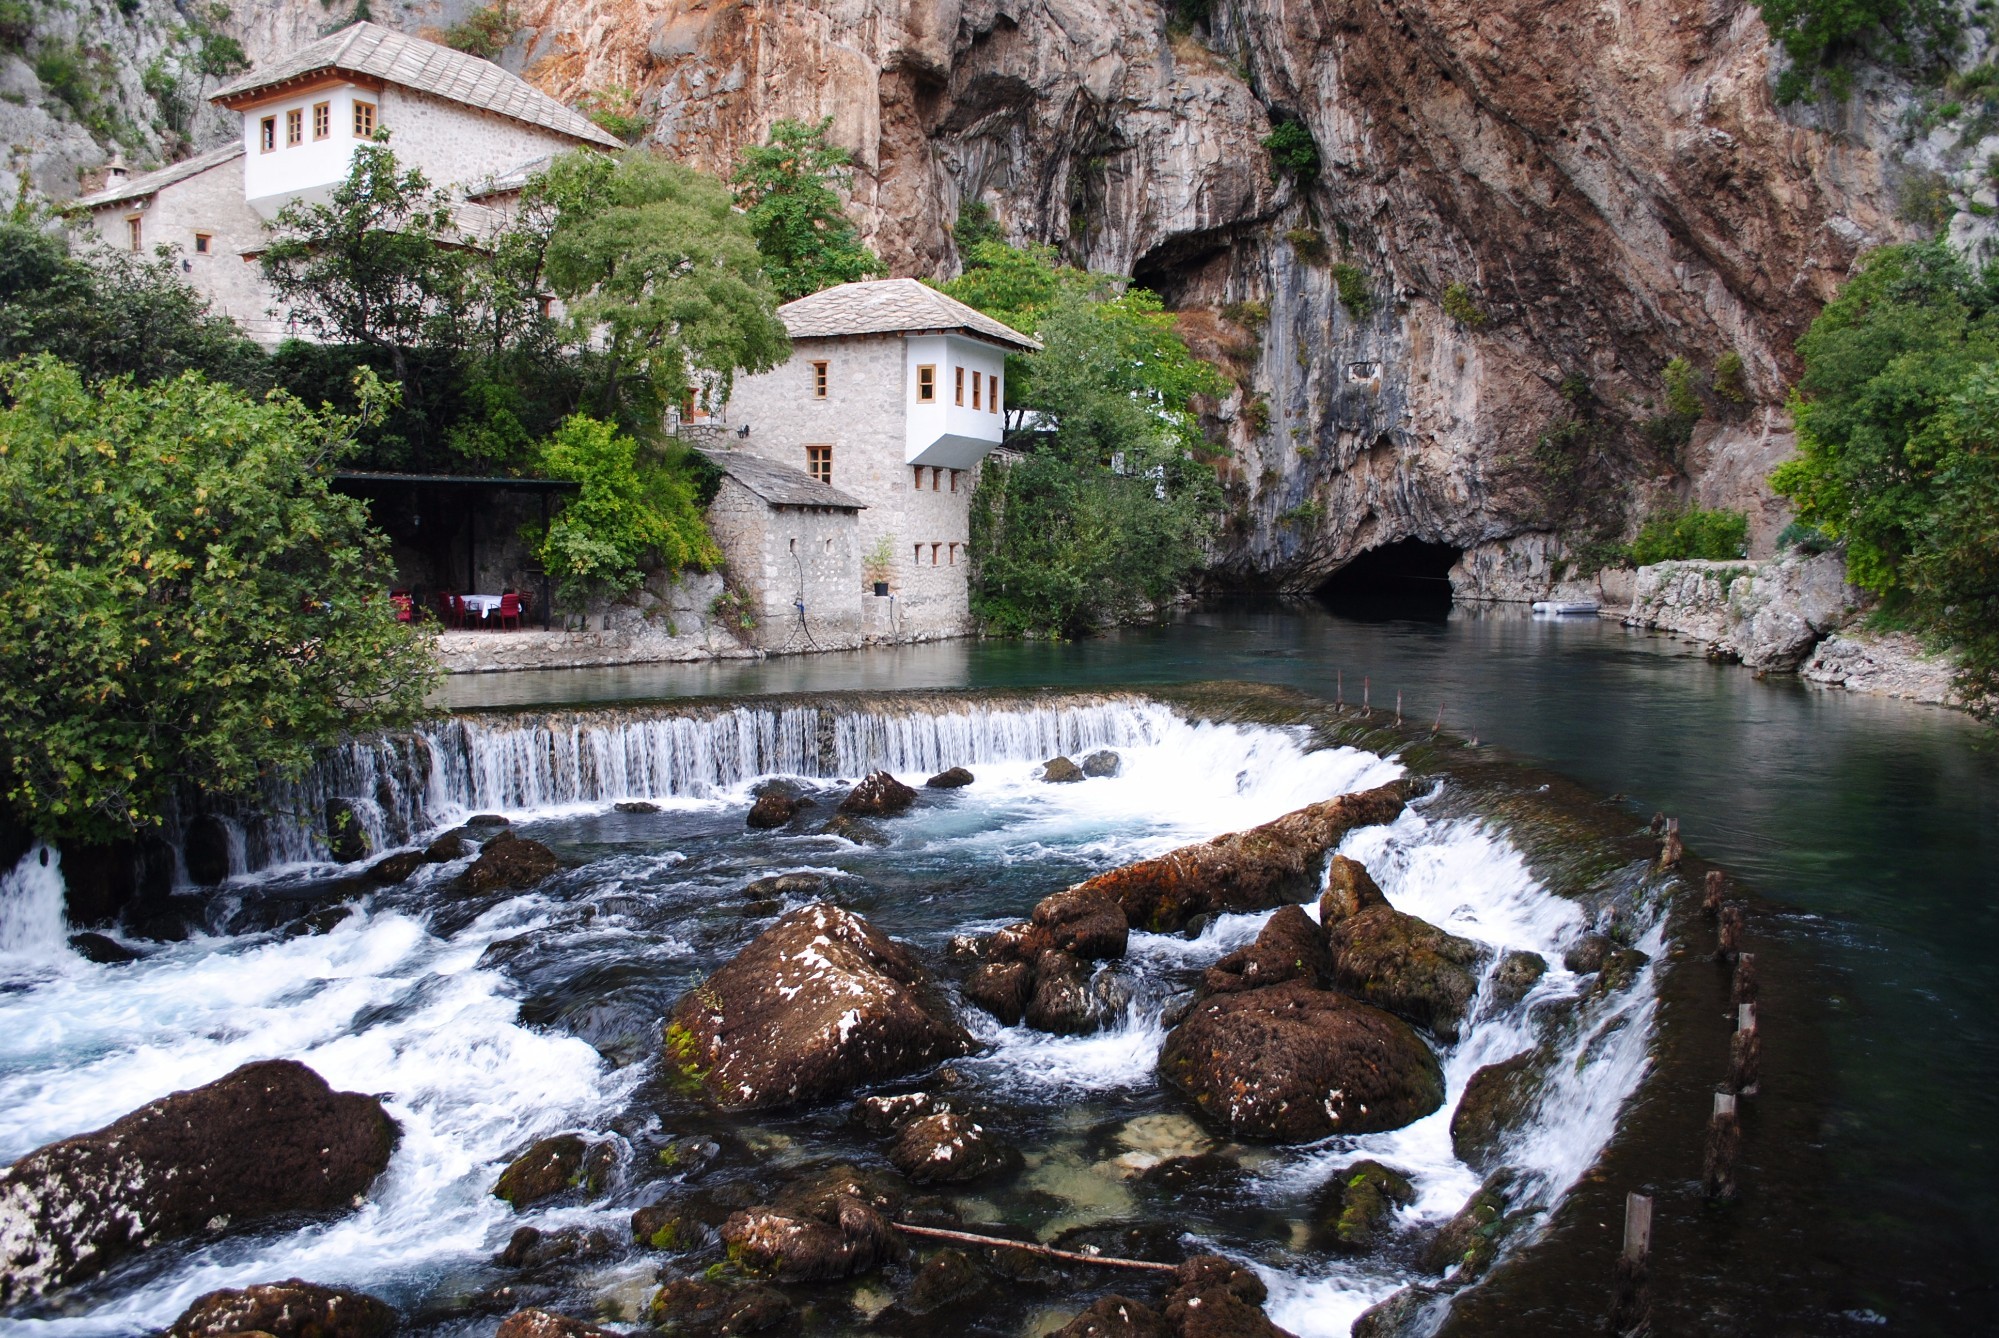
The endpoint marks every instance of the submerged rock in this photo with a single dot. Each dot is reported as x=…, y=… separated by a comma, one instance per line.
x=1408, y=966
x=1403, y=1314
x=1102, y=763
x=949, y=1149
x=664, y=1226
x=1585, y=956
x=953, y=778
x=1060, y=771
x=1498, y=1099
x=635, y=806
x=552, y=1166
x=538, y=1323
x=1470, y=1241
x=883, y=1115
x=786, y=885
x=446, y=848
x=879, y=795
x=531, y=1249
x=698, y=1305
x=507, y=863
x=1292, y=1063
x=1255, y=870
x=1217, y=1298
x=270, y=1139
x=291, y=1309
x=1116, y=1317
x=818, y=1004
x=1360, y=1203
x=1290, y=947
x=102, y=949
x=1619, y=970
x=947, y=1276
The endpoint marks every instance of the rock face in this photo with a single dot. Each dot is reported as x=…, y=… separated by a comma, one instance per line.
x=269, y=1139
x=1884, y=664
x=1769, y=615
x=1243, y=871
x=819, y=1003
x=1291, y=1063
x=1407, y=966
x=293, y=1309
x=879, y=795
x=507, y=863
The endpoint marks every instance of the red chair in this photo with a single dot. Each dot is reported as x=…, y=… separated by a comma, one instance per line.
x=510, y=611
x=405, y=605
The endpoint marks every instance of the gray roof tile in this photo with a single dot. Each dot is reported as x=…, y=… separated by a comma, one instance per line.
x=780, y=485
x=148, y=183
x=891, y=306
x=411, y=62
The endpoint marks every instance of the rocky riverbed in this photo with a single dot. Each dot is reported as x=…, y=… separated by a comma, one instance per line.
x=635, y=1061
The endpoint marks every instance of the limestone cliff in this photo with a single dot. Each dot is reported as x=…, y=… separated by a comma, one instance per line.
x=1601, y=188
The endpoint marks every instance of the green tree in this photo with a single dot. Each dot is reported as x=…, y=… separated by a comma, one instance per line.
x=635, y=508
x=787, y=188
x=113, y=314
x=1953, y=570
x=662, y=281
x=184, y=604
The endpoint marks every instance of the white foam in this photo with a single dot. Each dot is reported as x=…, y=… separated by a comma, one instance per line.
x=33, y=931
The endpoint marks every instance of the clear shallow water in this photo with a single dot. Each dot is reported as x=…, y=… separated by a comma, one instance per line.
x=1872, y=824
x=488, y=1026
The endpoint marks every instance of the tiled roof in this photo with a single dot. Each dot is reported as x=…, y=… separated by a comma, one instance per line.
x=781, y=485
x=512, y=179
x=890, y=306
x=136, y=188
x=411, y=62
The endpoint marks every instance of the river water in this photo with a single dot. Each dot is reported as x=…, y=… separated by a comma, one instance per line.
x=1866, y=829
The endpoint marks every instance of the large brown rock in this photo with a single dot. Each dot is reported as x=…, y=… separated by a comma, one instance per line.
x=1292, y=1063
x=818, y=1004
x=292, y=1309
x=949, y=1149
x=507, y=863
x=537, y=1323
x=552, y=1166
x=1087, y=922
x=1497, y=1101
x=1350, y=889
x=834, y=1225
x=1255, y=870
x=1116, y=1317
x=1218, y=1298
x=879, y=795
x=270, y=1139
x=1408, y=966
x=1290, y=947
x=1001, y=988
x=774, y=808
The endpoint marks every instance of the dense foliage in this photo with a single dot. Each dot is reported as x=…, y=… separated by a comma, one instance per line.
x=635, y=508
x=1692, y=533
x=788, y=190
x=1898, y=432
x=113, y=314
x=1824, y=37
x=183, y=601
x=1105, y=512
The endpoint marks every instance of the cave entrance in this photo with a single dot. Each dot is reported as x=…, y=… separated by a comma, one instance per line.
x=1406, y=579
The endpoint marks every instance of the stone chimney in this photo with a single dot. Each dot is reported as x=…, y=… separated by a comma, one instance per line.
x=115, y=171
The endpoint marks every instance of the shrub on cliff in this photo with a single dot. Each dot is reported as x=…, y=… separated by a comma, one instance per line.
x=1898, y=442
x=1693, y=533
x=787, y=188
x=184, y=602
x=1825, y=38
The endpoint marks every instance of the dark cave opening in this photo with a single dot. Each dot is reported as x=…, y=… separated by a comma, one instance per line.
x=1406, y=579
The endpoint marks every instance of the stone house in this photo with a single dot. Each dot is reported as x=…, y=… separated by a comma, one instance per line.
x=892, y=397
x=470, y=126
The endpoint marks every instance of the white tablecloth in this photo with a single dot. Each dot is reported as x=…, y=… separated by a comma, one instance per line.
x=481, y=604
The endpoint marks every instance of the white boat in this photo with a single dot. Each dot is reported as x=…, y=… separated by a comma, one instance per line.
x=1561, y=606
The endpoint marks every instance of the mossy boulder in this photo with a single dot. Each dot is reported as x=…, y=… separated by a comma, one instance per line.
x=947, y=1277
x=1002, y=989
x=1497, y=1100
x=774, y=808
x=1084, y=921
x=1060, y=771
x=1215, y=1297
x=1350, y=889
x=820, y=1003
x=1290, y=1063
x=1470, y=1241
x=290, y=1309
x=538, y=1323
x=1360, y=1203
x=1290, y=947
x=832, y=1225
x=950, y=1149
x=707, y=1306
x=664, y=1226
x=1255, y=870
x=551, y=1167
x=1116, y=1317
x=1619, y=970
x=1585, y=956
x=531, y=1250
x=1408, y=966
x=1518, y=972
x=396, y=868
x=507, y=863
x=347, y=840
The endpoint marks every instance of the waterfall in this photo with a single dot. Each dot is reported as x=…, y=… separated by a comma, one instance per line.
x=31, y=907
x=399, y=786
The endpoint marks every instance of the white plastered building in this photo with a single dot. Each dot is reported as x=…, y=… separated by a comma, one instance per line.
x=894, y=395
x=471, y=127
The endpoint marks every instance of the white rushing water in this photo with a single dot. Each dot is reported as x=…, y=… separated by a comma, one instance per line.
x=386, y=1003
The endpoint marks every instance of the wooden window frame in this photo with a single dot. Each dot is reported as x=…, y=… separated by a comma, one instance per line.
x=819, y=464
x=954, y=480
x=322, y=120
x=366, y=119
x=821, y=378
x=933, y=552
x=135, y=231
x=267, y=135
x=960, y=378
x=201, y=243
x=926, y=383
x=993, y=393
x=976, y=378
x=294, y=127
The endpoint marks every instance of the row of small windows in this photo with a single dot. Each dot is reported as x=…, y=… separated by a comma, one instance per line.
x=936, y=478
x=135, y=233
x=322, y=125
x=948, y=551
x=819, y=464
x=985, y=389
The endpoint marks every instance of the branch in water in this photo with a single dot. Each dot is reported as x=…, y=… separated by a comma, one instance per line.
x=1044, y=1251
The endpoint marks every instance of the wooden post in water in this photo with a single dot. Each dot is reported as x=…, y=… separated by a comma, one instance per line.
x=1366, y=694
x=1437, y=727
x=1628, y=1308
x=1398, y=706
x=1729, y=940
x=1745, y=1053
x=1744, y=990
x=1669, y=848
x=1711, y=900
x=1724, y=1143
x=1340, y=690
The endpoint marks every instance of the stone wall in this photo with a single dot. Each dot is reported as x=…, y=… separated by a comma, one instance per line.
x=457, y=146
x=669, y=620
x=228, y=275
x=783, y=556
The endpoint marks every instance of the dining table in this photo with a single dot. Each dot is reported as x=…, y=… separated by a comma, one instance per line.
x=482, y=605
